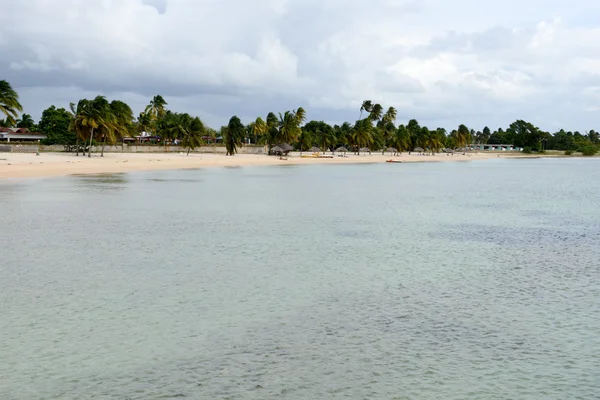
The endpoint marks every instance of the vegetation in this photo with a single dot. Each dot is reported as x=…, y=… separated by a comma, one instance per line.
x=108, y=122
x=55, y=124
x=9, y=104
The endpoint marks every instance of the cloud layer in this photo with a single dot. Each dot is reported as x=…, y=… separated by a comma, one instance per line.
x=444, y=63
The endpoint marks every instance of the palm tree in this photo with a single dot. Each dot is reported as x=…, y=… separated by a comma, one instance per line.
x=194, y=136
x=233, y=135
x=462, y=136
x=118, y=123
x=271, y=134
x=401, y=139
x=367, y=106
x=90, y=116
x=390, y=115
x=9, y=102
x=387, y=129
x=362, y=133
x=26, y=121
x=144, y=122
x=157, y=107
x=260, y=129
x=289, y=125
x=376, y=112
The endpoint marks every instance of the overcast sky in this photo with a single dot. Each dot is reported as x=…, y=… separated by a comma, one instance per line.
x=440, y=61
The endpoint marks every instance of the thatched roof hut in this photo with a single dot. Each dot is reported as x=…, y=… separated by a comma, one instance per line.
x=419, y=149
x=314, y=149
x=341, y=149
x=277, y=150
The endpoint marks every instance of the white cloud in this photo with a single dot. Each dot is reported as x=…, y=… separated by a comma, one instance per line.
x=442, y=62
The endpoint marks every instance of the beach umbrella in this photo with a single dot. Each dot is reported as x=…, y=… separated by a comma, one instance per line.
x=419, y=149
x=392, y=150
x=276, y=150
x=314, y=149
x=365, y=149
x=285, y=147
x=341, y=149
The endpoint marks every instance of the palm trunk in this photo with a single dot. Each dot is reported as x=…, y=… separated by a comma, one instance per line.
x=188, y=153
x=103, y=143
x=76, y=145
x=90, y=148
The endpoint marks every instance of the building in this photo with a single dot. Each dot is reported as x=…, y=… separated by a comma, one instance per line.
x=493, y=147
x=19, y=135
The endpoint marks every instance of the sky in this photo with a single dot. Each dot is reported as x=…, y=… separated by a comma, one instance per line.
x=481, y=63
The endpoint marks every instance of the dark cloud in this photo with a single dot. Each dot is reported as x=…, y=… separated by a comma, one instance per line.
x=441, y=62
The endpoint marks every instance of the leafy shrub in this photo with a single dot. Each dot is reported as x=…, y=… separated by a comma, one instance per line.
x=527, y=150
x=589, y=151
x=569, y=153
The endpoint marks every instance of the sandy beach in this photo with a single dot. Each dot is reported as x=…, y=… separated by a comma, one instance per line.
x=13, y=165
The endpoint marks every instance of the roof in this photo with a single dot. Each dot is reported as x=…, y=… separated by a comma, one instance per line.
x=28, y=135
x=18, y=131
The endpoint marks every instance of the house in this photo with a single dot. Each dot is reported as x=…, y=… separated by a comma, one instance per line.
x=20, y=135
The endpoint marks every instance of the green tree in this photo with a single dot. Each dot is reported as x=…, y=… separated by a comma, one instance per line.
x=362, y=133
x=401, y=139
x=233, y=135
x=26, y=121
x=9, y=102
x=157, y=107
x=118, y=123
x=367, y=106
x=90, y=117
x=376, y=112
x=321, y=133
x=463, y=136
x=55, y=123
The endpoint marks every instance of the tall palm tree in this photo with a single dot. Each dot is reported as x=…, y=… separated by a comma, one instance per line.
x=401, y=139
x=462, y=136
x=157, y=107
x=390, y=115
x=233, y=135
x=362, y=133
x=194, y=135
x=289, y=125
x=92, y=116
x=272, y=130
x=144, y=122
x=376, y=112
x=367, y=106
x=9, y=102
x=118, y=123
x=260, y=129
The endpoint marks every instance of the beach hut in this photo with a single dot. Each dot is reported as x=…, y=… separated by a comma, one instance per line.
x=277, y=151
x=419, y=150
x=392, y=150
x=342, y=150
x=314, y=150
x=365, y=150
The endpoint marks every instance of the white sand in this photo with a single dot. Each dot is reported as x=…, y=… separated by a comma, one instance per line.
x=14, y=165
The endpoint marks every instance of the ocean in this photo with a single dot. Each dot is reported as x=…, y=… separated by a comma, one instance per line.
x=458, y=280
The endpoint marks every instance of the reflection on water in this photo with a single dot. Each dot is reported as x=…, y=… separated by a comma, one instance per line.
x=326, y=282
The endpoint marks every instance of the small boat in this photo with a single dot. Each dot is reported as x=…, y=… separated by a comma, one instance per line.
x=393, y=161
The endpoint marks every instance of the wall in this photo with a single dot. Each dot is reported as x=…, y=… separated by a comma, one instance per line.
x=11, y=148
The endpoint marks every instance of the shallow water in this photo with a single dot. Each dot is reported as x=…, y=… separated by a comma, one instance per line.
x=407, y=281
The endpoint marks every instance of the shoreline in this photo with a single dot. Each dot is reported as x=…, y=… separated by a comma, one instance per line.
x=17, y=166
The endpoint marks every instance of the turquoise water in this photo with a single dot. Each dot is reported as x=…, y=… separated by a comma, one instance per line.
x=474, y=280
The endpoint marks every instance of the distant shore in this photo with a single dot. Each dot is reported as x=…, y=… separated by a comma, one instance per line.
x=14, y=165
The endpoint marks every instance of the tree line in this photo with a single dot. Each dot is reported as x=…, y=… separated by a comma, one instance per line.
x=104, y=122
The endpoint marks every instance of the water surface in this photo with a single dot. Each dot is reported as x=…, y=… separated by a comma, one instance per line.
x=471, y=280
